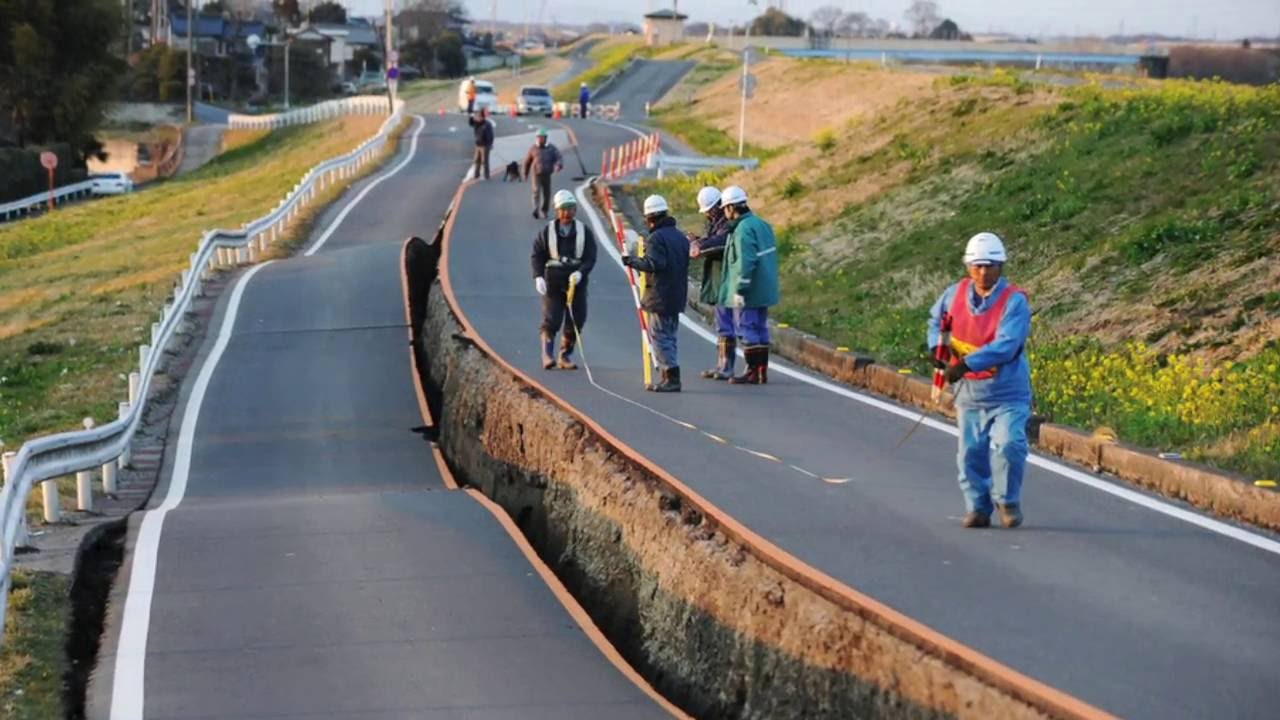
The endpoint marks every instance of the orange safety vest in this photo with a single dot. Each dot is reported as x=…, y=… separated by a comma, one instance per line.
x=969, y=332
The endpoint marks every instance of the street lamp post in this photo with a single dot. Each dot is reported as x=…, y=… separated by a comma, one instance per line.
x=191, y=75
x=253, y=41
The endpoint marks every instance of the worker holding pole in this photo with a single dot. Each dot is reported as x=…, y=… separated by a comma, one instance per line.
x=665, y=266
x=749, y=283
x=989, y=321
x=564, y=253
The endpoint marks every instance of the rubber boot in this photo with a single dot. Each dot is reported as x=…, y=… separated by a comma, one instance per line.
x=753, y=374
x=548, y=351
x=670, y=381
x=764, y=365
x=566, y=349
x=727, y=353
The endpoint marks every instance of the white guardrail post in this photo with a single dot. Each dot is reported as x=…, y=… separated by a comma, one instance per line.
x=41, y=461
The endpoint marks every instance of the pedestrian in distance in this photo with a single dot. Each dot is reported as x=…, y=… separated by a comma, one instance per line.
x=543, y=159
x=666, y=265
x=564, y=253
x=978, y=333
x=749, y=282
x=471, y=94
x=584, y=98
x=482, y=126
x=711, y=249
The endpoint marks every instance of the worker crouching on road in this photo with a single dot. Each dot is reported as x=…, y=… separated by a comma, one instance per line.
x=543, y=159
x=666, y=264
x=711, y=249
x=750, y=282
x=982, y=324
x=564, y=253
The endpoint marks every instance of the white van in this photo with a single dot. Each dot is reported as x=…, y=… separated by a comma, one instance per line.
x=110, y=183
x=486, y=96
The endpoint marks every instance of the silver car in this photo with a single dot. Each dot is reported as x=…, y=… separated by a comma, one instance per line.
x=110, y=183
x=533, y=99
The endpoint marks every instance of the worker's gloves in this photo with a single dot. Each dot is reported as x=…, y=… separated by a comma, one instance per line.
x=540, y=284
x=630, y=247
x=739, y=301
x=575, y=278
x=938, y=363
x=955, y=372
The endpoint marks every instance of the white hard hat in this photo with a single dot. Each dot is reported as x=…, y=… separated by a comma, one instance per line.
x=655, y=204
x=564, y=198
x=733, y=195
x=708, y=197
x=985, y=249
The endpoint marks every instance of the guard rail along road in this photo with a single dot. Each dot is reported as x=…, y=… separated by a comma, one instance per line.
x=107, y=446
x=357, y=105
x=35, y=203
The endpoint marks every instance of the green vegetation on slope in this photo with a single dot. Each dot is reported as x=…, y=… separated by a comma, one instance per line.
x=607, y=58
x=33, y=661
x=1144, y=221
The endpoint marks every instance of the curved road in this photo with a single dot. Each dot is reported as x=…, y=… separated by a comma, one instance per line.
x=644, y=80
x=303, y=558
x=1135, y=605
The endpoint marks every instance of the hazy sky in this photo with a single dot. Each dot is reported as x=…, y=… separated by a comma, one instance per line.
x=1223, y=18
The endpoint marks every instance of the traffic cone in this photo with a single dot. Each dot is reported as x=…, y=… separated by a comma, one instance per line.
x=555, y=114
x=513, y=111
x=441, y=112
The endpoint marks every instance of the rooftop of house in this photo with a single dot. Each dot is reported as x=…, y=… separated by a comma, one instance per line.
x=666, y=14
x=207, y=26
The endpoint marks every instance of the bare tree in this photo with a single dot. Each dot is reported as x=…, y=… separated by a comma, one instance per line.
x=922, y=16
x=825, y=18
x=854, y=24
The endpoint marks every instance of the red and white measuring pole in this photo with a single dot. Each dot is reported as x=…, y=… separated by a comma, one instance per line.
x=615, y=220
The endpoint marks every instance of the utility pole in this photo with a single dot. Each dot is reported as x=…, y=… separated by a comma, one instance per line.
x=742, y=114
x=391, y=59
x=191, y=74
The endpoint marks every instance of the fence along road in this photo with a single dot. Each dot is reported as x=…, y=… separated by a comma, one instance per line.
x=1128, y=608
x=314, y=562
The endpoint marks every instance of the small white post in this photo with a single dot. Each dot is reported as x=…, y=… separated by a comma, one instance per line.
x=135, y=384
x=122, y=410
x=7, y=460
x=52, y=504
x=109, y=477
x=143, y=352
x=84, y=482
x=1039, y=60
x=155, y=332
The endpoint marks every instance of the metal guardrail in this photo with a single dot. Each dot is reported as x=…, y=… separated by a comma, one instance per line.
x=327, y=110
x=36, y=203
x=45, y=458
x=663, y=162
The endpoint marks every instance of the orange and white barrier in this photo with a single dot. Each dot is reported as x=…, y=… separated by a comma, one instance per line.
x=630, y=157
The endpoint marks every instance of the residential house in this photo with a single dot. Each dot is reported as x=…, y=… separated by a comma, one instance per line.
x=353, y=46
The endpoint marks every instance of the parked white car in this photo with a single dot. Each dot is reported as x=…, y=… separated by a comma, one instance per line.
x=110, y=183
x=486, y=96
x=534, y=100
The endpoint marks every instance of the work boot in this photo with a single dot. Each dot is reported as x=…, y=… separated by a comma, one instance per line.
x=566, y=349
x=670, y=381
x=754, y=374
x=976, y=519
x=1010, y=515
x=548, y=351
x=764, y=365
x=723, y=370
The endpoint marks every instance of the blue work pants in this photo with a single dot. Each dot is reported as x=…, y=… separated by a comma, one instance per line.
x=993, y=455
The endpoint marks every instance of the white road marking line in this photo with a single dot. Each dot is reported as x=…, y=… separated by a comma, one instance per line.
x=129, y=677
x=413, y=149
x=128, y=681
x=1206, y=523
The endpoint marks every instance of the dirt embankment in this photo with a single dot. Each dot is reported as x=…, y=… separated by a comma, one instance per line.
x=716, y=619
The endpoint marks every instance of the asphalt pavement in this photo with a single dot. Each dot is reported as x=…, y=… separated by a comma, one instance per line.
x=645, y=80
x=579, y=62
x=303, y=557
x=1119, y=602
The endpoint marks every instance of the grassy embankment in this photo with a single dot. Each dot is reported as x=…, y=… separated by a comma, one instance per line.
x=607, y=58
x=1144, y=221
x=78, y=292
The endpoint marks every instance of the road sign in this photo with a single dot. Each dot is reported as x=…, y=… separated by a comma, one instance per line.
x=393, y=57
x=191, y=77
x=751, y=84
x=393, y=72
x=48, y=160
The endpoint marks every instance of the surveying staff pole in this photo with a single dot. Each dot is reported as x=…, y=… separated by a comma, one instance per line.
x=635, y=294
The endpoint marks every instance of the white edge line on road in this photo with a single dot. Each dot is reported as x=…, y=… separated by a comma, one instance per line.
x=128, y=679
x=413, y=149
x=1216, y=526
x=127, y=687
